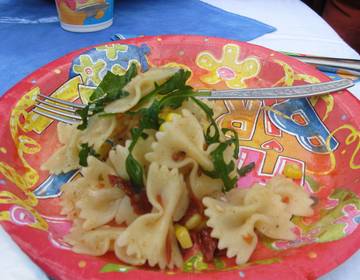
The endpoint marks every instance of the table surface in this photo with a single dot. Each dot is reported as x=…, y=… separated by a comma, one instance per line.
x=300, y=32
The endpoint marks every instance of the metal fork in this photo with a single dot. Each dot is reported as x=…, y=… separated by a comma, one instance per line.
x=64, y=111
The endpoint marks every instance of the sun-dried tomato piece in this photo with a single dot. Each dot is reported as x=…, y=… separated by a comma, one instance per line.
x=285, y=199
x=178, y=156
x=248, y=238
x=139, y=201
x=206, y=243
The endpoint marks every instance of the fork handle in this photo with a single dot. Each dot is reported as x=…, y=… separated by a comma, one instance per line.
x=280, y=92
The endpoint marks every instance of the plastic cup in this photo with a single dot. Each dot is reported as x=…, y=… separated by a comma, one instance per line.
x=85, y=15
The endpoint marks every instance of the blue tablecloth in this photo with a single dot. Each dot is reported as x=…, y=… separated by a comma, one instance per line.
x=31, y=35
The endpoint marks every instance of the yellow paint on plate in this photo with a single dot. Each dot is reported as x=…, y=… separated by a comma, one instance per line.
x=82, y=264
x=312, y=255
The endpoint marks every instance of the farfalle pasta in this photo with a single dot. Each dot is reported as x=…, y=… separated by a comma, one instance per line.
x=155, y=171
x=183, y=136
x=147, y=238
x=268, y=209
x=67, y=157
x=94, y=242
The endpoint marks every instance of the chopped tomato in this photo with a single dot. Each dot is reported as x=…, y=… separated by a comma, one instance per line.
x=206, y=243
x=139, y=201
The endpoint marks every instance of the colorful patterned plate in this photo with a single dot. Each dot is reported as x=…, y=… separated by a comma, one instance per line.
x=321, y=135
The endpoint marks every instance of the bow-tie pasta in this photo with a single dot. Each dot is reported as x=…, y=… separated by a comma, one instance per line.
x=203, y=185
x=234, y=218
x=150, y=238
x=98, y=131
x=67, y=157
x=93, y=199
x=182, y=138
x=118, y=155
x=234, y=227
x=95, y=242
x=298, y=202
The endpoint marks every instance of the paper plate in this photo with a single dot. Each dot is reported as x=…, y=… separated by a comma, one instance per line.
x=321, y=135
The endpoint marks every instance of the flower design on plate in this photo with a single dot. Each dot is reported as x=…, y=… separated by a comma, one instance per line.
x=302, y=239
x=351, y=218
x=21, y=216
x=117, y=69
x=229, y=68
x=89, y=70
x=112, y=50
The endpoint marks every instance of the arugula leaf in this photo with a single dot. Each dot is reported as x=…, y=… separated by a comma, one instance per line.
x=133, y=168
x=208, y=111
x=109, y=89
x=85, y=151
x=83, y=113
x=234, y=140
x=111, y=85
x=136, y=133
x=175, y=99
x=149, y=117
x=212, y=136
x=175, y=83
x=246, y=169
x=222, y=170
x=135, y=172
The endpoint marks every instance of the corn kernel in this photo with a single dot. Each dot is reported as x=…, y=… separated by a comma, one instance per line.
x=162, y=128
x=201, y=226
x=183, y=236
x=162, y=115
x=194, y=221
x=170, y=117
x=292, y=171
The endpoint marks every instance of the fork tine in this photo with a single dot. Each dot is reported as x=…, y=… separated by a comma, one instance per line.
x=58, y=112
x=67, y=103
x=56, y=117
x=54, y=105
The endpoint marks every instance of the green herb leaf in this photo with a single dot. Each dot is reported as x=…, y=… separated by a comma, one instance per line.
x=234, y=140
x=133, y=167
x=175, y=83
x=149, y=117
x=109, y=89
x=83, y=113
x=246, y=169
x=175, y=99
x=135, y=172
x=111, y=85
x=222, y=170
x=136, y=133
x=212, y=134
x=207, y=110
x=85, y=151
